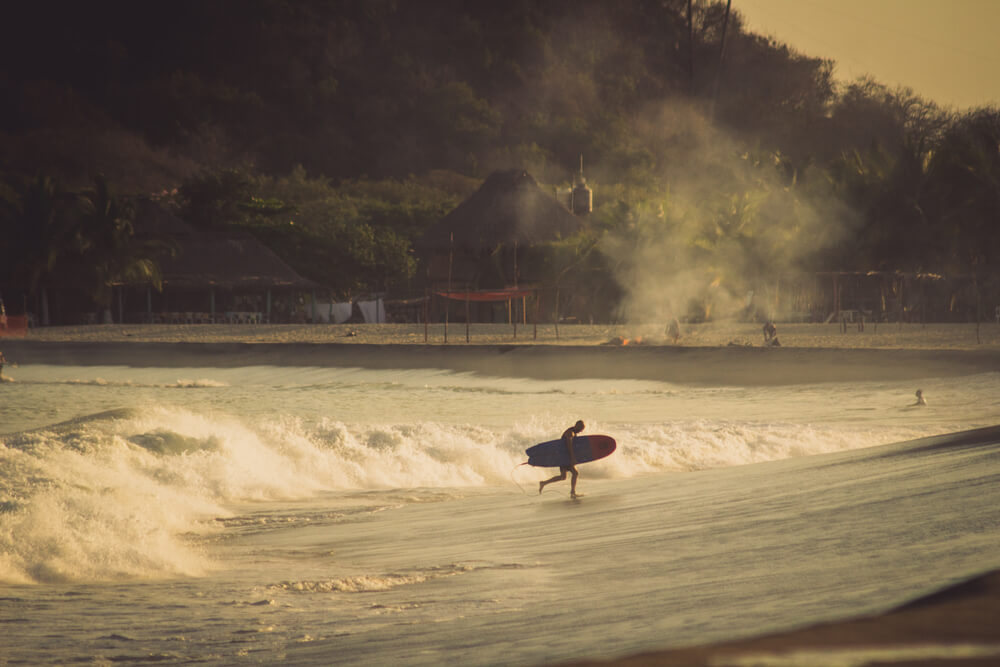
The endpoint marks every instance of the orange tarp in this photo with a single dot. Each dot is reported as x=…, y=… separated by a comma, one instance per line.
x=14, y=325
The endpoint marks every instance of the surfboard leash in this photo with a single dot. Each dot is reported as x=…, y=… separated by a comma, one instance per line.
x=514, y=480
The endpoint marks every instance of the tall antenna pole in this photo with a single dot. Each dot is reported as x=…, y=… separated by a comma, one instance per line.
x=722, y=53
x=690, y=50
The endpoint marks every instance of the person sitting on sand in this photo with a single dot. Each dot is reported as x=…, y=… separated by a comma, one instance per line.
x=770, y=333
x=567, y=437
x=920, y=398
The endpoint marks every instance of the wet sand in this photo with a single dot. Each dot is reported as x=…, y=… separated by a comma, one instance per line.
x=959, y=625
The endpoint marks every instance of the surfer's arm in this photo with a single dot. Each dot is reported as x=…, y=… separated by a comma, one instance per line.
x=568, y=439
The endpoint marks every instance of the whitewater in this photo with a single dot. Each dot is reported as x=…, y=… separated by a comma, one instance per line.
x=314, y=515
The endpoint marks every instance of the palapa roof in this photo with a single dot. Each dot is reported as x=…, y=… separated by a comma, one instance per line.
x=226, y=259
x=508, y=208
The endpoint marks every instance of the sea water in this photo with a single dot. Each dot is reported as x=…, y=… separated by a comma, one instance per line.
x=351, y=516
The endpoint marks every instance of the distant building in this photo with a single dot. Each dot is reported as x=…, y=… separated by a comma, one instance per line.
x=474, y=252
x=212, y=276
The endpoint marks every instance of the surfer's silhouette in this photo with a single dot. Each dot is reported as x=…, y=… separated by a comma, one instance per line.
x=567, y=437
x=920, y=398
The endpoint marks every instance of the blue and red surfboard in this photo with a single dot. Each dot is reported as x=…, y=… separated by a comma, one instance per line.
x=553, y=454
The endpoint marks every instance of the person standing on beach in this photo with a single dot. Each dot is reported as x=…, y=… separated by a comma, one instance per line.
x=2, y=362
x=674, y=330
x=567, y=437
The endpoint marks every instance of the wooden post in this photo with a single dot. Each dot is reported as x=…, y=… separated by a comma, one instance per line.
x=557, y=312
x=466, y=314
x=534, y=315
x=451, y=252
x=427, y=306
x=836, y=296
x=512, y=315
x=902, y=306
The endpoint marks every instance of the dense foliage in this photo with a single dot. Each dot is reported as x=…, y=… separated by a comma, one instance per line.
x=337, y=131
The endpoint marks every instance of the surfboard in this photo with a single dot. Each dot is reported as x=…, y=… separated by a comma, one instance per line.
x=553, y=454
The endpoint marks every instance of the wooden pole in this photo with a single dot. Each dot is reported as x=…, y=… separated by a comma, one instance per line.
x=512, y=314
x=512, y=304
x=467, y=314
x=557, y=312
x=534, y=315
x=451, y=252
x=427, y=306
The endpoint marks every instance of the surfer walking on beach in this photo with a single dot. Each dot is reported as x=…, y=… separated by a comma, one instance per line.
x=567, y=437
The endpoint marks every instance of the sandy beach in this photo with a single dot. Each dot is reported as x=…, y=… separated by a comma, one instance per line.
x=795, y=335
x=731, y=354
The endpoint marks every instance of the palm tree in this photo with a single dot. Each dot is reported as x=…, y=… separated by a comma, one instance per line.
x=40, y=229
x=113, y=255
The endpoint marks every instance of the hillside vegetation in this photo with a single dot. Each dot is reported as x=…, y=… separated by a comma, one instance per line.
x=338, y=131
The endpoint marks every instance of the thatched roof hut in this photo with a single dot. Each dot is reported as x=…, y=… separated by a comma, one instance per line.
x=206, y=259
x=235, y=261
x=509, y=208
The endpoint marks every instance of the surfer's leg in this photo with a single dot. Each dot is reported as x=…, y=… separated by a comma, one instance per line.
x=572, y=483
x=558, y=478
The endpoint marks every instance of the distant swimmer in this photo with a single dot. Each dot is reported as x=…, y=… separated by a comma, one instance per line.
x=567, y=437
x=920, y=398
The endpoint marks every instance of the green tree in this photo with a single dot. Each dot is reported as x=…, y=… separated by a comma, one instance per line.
x=41, y=232
x=109, y=252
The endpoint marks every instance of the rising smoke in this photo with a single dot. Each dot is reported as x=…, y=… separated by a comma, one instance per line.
x=721, y=228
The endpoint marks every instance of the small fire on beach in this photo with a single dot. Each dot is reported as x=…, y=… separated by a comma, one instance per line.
x=622, y=341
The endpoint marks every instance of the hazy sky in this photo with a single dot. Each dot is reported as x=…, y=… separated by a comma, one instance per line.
x=947, y=51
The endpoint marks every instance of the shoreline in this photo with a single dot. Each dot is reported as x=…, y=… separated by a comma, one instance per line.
x=956, y=624
x=820, y=353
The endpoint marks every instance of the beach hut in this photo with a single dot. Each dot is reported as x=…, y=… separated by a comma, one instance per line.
x=213, y=276
x=508, y=210
x=473, y=253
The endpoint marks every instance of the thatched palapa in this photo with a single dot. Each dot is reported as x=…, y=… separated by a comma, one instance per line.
x=509, y=208
x=225, y=259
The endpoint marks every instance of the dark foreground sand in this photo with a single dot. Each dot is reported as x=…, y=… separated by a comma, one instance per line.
x=956, y=626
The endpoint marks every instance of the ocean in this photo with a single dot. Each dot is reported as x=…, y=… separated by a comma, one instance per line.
x=310, y=515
